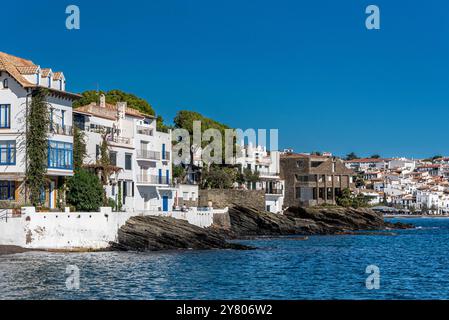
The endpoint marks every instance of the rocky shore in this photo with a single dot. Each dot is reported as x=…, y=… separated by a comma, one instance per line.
x=151, y=233
x=12, y=250
x=245, y=221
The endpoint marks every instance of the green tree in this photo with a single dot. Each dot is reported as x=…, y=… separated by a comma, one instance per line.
x=251, y=176
x=79, y=148
x=85, y=191
x=38, y=121
x=375, y=156
x=113, y=97
x=347, y=199
x=218, y=177
x=351, y=156
x=104, y=161
x=184, y=119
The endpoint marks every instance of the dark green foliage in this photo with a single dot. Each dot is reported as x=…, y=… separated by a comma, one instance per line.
x=38, y=120
x=113, y=97
x=250, y=176
x=79, y=148
x=218, y=177
x=351, y=156
x=184, y=119
x=375, y=156
x=85, y=191
x=179, y=172
x=347, y=199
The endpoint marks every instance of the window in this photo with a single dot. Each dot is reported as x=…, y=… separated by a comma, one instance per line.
x=163, y=151
x=51, y=119
x=5, y=116
x=315, y=164
x=60, y=155
x=298, y=193
x=38, y=78
x=7, y=153
x=97, y=152
x=113, y=158
x=128, y=161
x=7, y=190
x=62, y=118
x=49, y=81
x=5, y=84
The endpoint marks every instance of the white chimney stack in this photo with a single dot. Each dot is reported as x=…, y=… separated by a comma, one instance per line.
x=102, y=101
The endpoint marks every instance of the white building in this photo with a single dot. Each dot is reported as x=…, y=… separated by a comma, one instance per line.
x=141, y=153
x=19, y=80
x=367, y=164
x=267, y=164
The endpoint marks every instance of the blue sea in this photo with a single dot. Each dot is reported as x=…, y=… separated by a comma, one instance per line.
x=413, y=264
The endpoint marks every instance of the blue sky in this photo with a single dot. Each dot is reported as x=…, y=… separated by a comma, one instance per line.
x=309, y=68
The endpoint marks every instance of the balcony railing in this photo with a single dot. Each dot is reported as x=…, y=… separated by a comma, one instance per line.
x=152, y=179
x=118, y=139
x=148, y=154
x=274, y=191
x=144, y=130
x=62, y=130
x=268, y=174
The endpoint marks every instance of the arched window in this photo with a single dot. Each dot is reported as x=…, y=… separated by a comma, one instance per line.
x=5, y=83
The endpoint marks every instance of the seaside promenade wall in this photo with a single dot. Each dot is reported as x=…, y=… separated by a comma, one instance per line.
x=61, y=230
x=83, y=230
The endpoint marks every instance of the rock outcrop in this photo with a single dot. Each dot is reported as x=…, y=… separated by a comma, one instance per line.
x=150, y=233
x=247, y=222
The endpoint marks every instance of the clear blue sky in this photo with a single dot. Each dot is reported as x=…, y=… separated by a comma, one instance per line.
x=309, y=68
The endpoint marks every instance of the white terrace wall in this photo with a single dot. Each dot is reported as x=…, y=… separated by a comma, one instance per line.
x=82, y=230
x=200, y=218
x=60, y=230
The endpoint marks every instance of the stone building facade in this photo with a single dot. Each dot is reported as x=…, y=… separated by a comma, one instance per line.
x=314, y=180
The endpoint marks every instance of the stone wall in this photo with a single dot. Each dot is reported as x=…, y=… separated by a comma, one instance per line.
x=222, y=198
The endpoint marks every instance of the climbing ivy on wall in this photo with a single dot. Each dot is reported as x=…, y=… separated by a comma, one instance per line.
x=38, y=120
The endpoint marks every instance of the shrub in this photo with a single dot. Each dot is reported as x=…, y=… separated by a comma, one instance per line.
x=85, y=191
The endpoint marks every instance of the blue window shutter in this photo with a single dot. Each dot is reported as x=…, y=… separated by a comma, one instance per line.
x=160, y=176
x=167, y=172
x=163, y=151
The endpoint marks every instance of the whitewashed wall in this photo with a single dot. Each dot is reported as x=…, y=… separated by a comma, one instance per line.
x=76, y=230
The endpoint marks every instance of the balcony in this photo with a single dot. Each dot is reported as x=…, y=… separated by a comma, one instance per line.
x=65, y=130
x=148, y=155
x=144, y=130
x=152, y=179
x=119, y=140
x=274, y=191
x=263, y=174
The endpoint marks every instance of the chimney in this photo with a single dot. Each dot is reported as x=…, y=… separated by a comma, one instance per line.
x=102, y=101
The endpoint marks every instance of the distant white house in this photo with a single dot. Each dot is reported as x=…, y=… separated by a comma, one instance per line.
x=267, y=164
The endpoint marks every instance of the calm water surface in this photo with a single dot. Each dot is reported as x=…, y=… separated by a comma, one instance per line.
x=413, y=265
